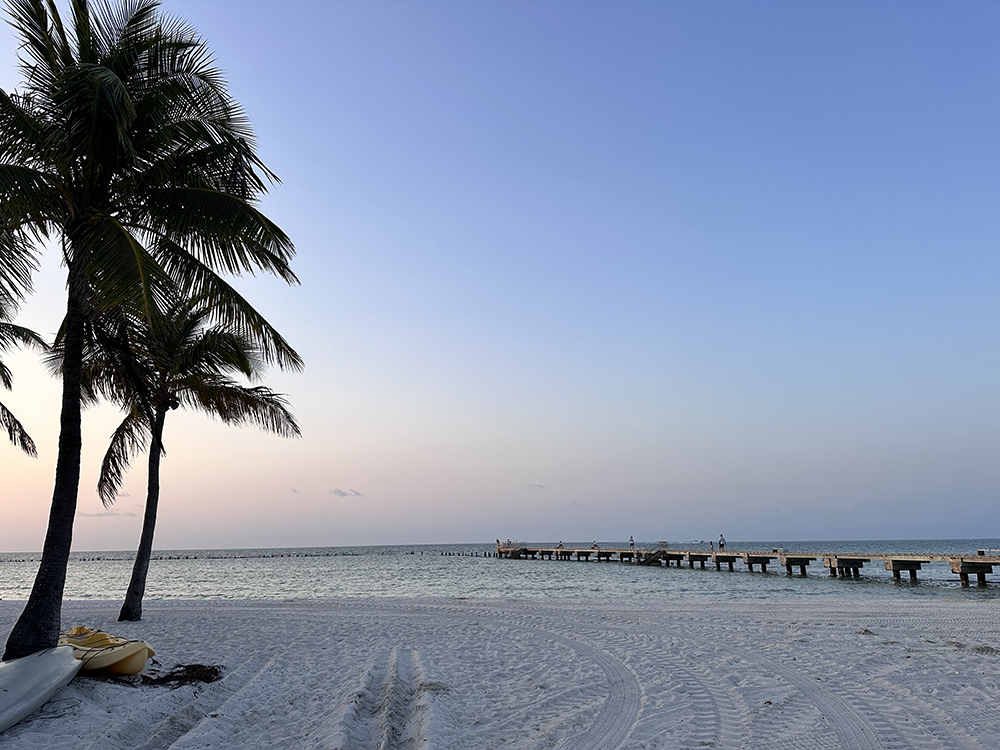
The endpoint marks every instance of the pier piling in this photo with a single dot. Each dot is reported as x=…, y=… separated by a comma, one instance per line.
x=964, y=566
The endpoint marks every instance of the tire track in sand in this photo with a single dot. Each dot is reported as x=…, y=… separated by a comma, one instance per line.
x=719, y=717
x=853, y=730
x=619, y=712
x=169, y=718
x=389, y=714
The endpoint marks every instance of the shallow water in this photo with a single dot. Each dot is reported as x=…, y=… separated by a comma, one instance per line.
x=464, y=570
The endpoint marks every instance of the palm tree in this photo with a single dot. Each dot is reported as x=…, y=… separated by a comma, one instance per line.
x=11, y=335
x=125, y=146
x=185, y=360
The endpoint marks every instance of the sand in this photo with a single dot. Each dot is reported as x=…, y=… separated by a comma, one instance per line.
x=452, y=674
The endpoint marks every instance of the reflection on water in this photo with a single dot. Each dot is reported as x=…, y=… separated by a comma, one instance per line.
x=463, y=570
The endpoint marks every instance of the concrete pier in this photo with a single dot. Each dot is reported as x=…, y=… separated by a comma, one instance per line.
x=840, y=566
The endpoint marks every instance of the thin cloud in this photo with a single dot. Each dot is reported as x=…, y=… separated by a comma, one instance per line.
x=295, y=489
x=536, y=485
x=346, y=493
x=104, y=513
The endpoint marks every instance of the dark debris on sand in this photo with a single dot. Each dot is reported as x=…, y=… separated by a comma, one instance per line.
x=185, y=674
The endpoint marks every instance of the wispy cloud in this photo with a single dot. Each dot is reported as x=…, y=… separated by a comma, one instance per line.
x=104, y=513
x=295, y=489
x=574, y=502
x=536, y=485
x=346, y=493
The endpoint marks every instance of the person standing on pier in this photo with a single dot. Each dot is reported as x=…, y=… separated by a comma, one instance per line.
x=631, y=543
x=722, y=543
x=711, y=546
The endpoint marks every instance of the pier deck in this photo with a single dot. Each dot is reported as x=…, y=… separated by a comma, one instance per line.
x=840, y=565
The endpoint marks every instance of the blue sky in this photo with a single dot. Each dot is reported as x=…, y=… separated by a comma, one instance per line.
x=692, y=267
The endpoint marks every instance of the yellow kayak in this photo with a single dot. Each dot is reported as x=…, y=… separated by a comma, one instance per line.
x=99, y=650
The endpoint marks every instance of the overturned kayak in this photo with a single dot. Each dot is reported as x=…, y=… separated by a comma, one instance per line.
x=28, y=682
x=98, y=650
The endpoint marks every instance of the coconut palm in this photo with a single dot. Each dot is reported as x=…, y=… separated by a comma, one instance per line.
x=124, y=146
x=185, y=360
x=11, y=335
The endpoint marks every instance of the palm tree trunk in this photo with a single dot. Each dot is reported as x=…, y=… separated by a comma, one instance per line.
x=38, y=626
x=132, y=607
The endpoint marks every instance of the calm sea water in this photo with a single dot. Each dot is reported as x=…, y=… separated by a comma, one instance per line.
x=465, y=570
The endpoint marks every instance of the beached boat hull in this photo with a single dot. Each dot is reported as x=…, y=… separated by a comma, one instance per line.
x=27, y=683
x=97, y=650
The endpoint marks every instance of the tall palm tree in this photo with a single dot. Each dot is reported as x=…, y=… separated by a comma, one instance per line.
x=125, y=146
x=11, y=335
x=184, y=360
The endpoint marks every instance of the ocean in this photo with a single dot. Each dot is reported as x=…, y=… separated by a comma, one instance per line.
x=468, y=570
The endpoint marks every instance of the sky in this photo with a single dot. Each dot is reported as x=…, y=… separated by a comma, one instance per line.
x=593, y=270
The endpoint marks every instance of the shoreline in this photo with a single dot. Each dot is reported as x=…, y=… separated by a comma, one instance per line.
x=529, y=673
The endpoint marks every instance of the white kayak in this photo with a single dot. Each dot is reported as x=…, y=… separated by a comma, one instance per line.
x=28, y=682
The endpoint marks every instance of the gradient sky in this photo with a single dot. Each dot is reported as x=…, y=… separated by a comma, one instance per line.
x=577, y=270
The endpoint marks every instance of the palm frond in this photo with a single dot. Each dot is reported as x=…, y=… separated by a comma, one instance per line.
x=44, y=41
x=129, y=440
x=23, y=134
x=29, y=199
x=114, y=363
x=217, y=350
x=83, y=29
x=17, y=262
x=223, y=231
x=239, y=405
x=14, y=335
x=228, y=307
x=120, y=269
x=16, y=432
x=104, y=110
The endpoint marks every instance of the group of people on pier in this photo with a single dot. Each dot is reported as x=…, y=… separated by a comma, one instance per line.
x=631, y=544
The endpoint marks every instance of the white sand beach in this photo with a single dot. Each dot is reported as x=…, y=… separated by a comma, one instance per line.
x=451, y=674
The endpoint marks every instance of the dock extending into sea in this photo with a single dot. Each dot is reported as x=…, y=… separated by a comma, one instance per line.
x=839, y=565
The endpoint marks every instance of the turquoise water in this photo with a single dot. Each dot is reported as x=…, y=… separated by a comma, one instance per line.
x=464, y=570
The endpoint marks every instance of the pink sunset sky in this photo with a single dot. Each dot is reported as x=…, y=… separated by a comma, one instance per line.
x=593, y=270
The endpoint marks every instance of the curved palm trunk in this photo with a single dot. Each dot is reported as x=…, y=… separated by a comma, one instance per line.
x=38, y=626
x=132, y=607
